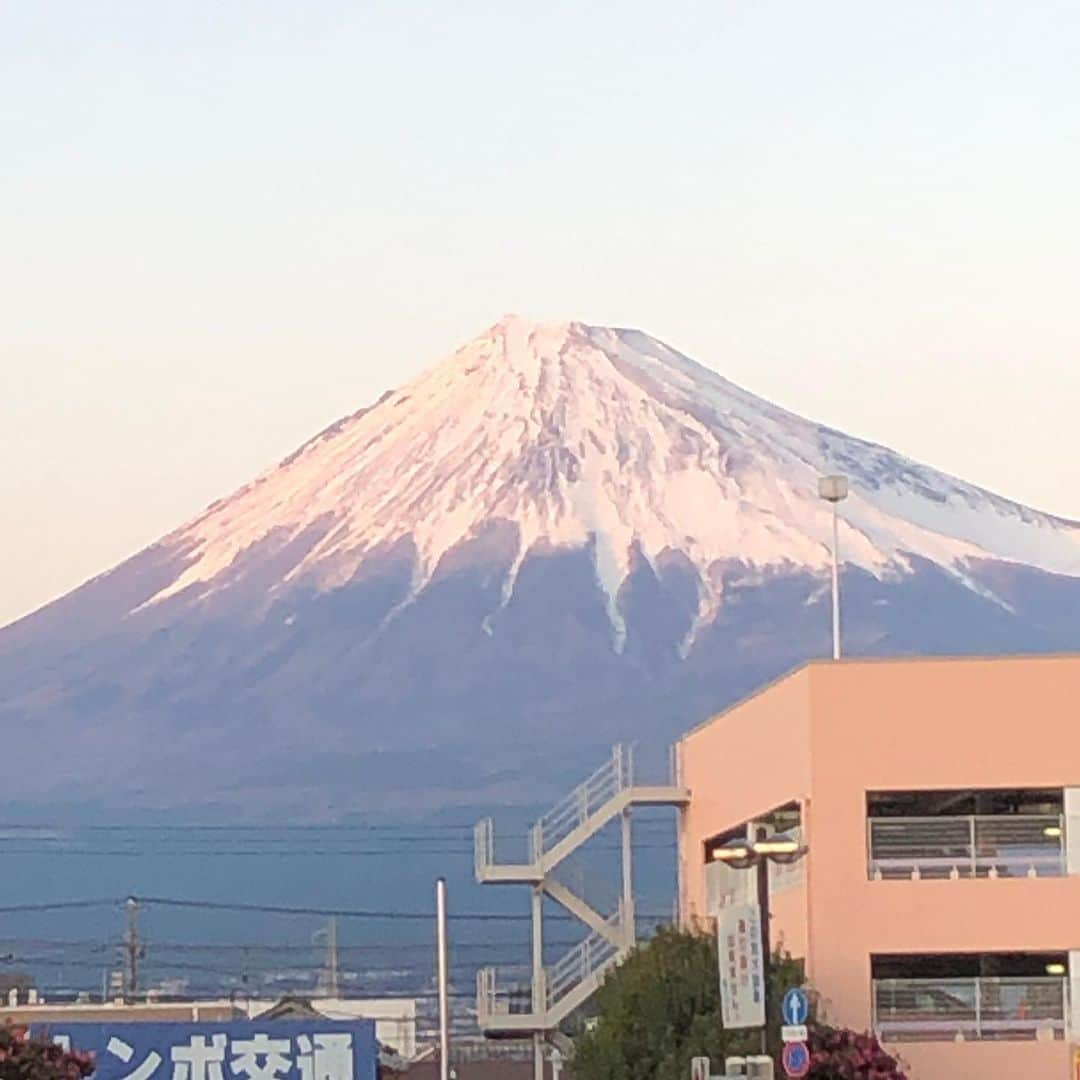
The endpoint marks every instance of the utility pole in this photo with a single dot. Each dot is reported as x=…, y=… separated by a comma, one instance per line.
x=444, y=1017
x=539, y=990
x=331, y=978
x=132, y=949
x=765, y=915
x=628, y=913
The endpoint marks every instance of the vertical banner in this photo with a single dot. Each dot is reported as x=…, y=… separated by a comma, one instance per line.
x=742, y=968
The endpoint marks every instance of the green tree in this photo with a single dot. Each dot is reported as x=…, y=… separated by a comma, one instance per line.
x=26, y=1058
x=661, y=1007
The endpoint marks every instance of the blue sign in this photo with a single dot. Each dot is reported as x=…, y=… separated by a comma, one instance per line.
x=307, y=1049
x=796, y=1059
x=795, y=1008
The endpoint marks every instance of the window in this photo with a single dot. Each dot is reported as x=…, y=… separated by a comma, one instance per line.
x=978, y=996
x=987, y=833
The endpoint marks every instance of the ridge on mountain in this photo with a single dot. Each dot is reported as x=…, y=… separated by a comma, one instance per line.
x=583, y=435
x=561, y=535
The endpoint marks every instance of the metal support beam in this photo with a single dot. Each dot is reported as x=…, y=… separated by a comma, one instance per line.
x=580, y=910
x=628, y=915
x=539, y=1002
x=608, y=794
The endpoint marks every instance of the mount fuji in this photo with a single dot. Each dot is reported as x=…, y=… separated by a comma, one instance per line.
x=560, y=536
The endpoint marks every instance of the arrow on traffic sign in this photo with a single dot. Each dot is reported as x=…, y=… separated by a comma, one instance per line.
x=795, y=1008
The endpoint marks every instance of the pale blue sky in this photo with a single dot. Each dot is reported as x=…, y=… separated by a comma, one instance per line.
x=227, y=223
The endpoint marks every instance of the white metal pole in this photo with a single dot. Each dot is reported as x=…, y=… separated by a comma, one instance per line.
x=835, y=582
x=444, y=1018
x=629, y=917
x=538, y=989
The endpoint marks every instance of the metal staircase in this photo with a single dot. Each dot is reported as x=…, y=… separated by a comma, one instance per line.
x=514, y=1008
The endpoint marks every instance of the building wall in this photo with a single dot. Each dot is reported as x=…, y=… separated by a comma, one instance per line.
x=739, y=766
x=987, y=1060
x=930, y=724
x=149, y=1012
x=395, y=1018
x=833, y=731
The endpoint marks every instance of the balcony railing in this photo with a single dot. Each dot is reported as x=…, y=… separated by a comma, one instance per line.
x=1017, y=845
x=615, y=775
x=930, y=1010
x=503, y=991
x=583, y=960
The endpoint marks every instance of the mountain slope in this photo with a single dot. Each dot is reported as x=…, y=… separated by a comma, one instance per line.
x=561, y=532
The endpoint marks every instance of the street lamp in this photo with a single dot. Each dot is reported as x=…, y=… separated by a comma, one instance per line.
x=756, y=854
x=834, y=489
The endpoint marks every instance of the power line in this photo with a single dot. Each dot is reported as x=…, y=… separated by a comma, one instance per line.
x=58, y=905
x=410, y=845
x=280, y=909
x=419, y=828
x=343, y=913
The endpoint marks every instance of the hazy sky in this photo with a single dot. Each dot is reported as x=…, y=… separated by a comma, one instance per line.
x=225, y=224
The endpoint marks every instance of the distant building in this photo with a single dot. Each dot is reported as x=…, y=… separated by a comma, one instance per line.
x=395, y=1018
x=939, y=802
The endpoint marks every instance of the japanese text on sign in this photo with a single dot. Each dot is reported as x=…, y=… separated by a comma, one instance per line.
x=277, y=1050
x=742, y=968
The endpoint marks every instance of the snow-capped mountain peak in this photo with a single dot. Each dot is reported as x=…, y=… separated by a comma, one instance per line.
x=560, y=537
x=585, y=436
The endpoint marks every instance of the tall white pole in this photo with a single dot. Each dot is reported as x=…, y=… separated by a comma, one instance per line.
x=834, y=489
x=332, y=959
x=628, y=914
x=539, y=991
x=444, y=1018
x=835, y=582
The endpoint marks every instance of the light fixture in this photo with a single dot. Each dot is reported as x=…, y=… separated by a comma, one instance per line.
x=1052, y=831
x=777, y=844
x=833, y=489
x=1055, y=969
x=734, y=853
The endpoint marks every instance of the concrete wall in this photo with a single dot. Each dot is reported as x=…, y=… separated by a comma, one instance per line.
x=930, y=724
x=986, y=1060
x=833, y=731
x=744, y=763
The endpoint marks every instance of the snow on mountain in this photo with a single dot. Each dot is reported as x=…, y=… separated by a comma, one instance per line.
x=587, y=436
x=561, y=536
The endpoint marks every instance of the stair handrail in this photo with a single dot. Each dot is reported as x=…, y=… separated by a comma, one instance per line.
x=485, y=993
x=483, y=847
x=613, y=777
x=576, y=965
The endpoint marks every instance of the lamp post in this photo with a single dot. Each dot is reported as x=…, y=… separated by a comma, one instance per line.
x=756, y=854
x=834, y=489
x=441, y=951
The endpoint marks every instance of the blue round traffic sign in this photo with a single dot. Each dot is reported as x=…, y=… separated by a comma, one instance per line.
x=796, y=1059
x=795, y=1008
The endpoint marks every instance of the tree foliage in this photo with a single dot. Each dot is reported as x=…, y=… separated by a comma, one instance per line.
x=661, y=1007
x=26, y=1058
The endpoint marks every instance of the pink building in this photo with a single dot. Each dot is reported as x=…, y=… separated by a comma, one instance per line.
x=939, y=802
